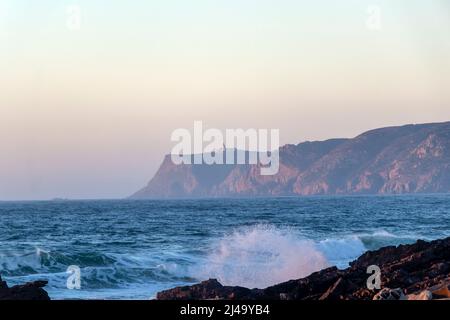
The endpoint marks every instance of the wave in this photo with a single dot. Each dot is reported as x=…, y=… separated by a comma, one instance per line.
x=255, y=256
x=345, y=248
x=340, y=252
x=260, y=256
x=98, y=270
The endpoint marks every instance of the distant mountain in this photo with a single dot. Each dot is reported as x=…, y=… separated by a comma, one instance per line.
x=393, y=160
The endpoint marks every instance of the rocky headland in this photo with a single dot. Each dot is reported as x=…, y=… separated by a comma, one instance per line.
x=393, y=160
x=419, y=271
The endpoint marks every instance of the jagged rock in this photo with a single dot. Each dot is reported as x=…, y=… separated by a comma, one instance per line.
x=27, y=291
x=424, y=295
x=309, y=288
x=210, y=289
x=334, y=291
x=3, y=284
x=283, y=296
x=442, y=290
x=338, y=289
x=413, y=268
x=390, y=294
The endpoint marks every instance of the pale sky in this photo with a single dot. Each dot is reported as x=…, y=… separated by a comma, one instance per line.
x=87, y=112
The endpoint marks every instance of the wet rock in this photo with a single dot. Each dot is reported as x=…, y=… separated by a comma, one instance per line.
x=338, y=290
x=28, y=291
x=424, y=295
x=3, y=284
x=442, y=290
x=390, y=294
x=210, y=289
x=309, y=288
x=284, y=296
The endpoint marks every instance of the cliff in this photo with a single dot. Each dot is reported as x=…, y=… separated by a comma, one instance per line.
x=393, y=160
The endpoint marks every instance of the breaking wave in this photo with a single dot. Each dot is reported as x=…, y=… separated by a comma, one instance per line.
x=263, y=255
x=103, y=272
x=260, y=256
x=255, y=256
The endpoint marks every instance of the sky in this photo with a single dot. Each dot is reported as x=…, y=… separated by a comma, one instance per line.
x=91, y=90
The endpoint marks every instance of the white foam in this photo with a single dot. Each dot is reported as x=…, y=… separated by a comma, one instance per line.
x=260, y=256
x=341, y=251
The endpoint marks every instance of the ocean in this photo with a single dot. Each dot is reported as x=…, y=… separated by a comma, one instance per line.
x=131, y=249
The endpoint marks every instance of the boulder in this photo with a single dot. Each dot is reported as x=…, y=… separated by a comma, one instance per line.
x=390, y=294
x=424, y=295
x=442, y=290
x=28, y=291
x=210, y=289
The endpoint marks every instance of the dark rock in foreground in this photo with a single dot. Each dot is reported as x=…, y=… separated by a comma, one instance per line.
x=27, y=291
x=419, y=271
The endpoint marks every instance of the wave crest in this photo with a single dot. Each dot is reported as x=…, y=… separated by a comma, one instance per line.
x=260, y=256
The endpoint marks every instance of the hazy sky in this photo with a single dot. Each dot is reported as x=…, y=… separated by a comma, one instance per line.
x=87, y=112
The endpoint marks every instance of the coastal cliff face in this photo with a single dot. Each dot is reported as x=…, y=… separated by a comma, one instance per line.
x=420, y=271
x=393, y=160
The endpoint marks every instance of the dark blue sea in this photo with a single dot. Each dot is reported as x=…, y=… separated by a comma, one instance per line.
x=132, y=249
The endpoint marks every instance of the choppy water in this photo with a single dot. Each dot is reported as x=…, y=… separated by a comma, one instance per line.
x=132, y=249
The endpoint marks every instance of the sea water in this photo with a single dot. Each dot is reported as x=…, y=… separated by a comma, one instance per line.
x=131, y=249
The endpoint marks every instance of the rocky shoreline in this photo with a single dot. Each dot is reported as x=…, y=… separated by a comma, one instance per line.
x=420, y=271
x=28, y=291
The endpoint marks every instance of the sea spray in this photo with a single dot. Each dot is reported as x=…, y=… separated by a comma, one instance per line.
x=341, y=251
x=260, y=256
